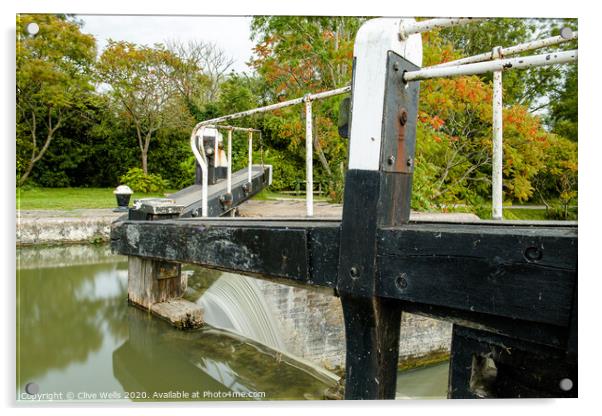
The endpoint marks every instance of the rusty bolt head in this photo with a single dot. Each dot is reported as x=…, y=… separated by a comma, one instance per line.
x=403, y=117
x=391, y=160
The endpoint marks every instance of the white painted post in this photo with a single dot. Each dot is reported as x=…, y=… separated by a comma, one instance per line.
x=194, y=144
x=496, y=174
x=229, y=168
x=309, y=159
x=250, y=168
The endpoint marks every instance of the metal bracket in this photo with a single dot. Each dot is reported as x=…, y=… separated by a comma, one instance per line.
x=400, y=111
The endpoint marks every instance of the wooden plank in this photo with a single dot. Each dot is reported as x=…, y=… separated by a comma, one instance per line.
x=519, y=369
x=302, y=254
x=148, y=281
x=518, y=272
x=372, y=327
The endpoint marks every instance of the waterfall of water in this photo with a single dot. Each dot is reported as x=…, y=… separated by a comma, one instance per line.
x=235, y=303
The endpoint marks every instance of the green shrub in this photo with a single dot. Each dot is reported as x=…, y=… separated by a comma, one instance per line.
x=139, y=182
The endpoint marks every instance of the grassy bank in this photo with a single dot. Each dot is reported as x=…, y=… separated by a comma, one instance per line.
x=78, y=198
x=267, y=195
x=69, y=198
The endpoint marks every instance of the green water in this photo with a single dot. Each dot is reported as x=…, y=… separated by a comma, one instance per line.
x=423, y=383
x=78, y=340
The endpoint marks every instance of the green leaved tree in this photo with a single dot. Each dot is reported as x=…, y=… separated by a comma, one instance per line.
x=142, y=91
x=54, y=74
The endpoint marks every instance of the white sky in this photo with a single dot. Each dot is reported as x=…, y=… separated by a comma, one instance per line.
x=230, y=33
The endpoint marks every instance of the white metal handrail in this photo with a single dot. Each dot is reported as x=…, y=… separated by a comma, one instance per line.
x=512, y=50
x=307, y=99
x=491, y=66
x=477, y=64
x=497, y=66
x=408, y=28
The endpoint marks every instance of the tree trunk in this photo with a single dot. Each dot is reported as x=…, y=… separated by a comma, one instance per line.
x=34, y=157
x=24, y=177
x=144, y=157
x=321, y=155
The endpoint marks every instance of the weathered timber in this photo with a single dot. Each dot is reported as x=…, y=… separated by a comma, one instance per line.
x=151, y=281
x=517, y=272
x=373, y=199
x=422, y=264
x=483, y=364
x=158, y=285
x=302, y=251
x=372, y=326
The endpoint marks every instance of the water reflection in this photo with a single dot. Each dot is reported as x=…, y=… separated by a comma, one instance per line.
x=76, y=334
x=216, y=364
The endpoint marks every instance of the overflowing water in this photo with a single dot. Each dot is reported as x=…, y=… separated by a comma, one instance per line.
x=78, y=340
x=235, y=303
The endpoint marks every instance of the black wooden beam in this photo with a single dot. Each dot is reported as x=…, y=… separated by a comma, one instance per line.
x=518, y=272
x=483, y=272
x=303, y=252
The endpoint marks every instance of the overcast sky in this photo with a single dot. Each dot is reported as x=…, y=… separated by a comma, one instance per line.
x=231, y=33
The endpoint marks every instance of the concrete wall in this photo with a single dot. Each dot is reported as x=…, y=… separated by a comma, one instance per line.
x=57, y=227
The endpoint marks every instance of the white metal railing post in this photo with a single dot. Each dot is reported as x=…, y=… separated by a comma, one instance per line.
x=309, y=158
x=498, y=150
x=250, y=167
x=229, y=168
x=203, y=164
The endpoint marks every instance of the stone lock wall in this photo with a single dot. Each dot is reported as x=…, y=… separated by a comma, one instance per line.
x=311, y=324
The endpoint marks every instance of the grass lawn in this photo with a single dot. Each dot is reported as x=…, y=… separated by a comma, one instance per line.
x=524, y=214
x=70, y=198
x=77, y=198
x=267, y=195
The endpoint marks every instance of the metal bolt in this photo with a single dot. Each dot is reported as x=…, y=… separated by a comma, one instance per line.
x=409, y=162
x=401, y=281
x=403, y=117
x=354, y=272
x=391, y=160
x=533, y=253
x=396, y=66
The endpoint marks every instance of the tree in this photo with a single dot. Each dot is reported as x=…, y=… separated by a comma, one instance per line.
x=53, y=83
x=564, y=106
x=531, y=87
x=297, y=55
x=453, y=156
x=142, y=91
x=198, y=69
